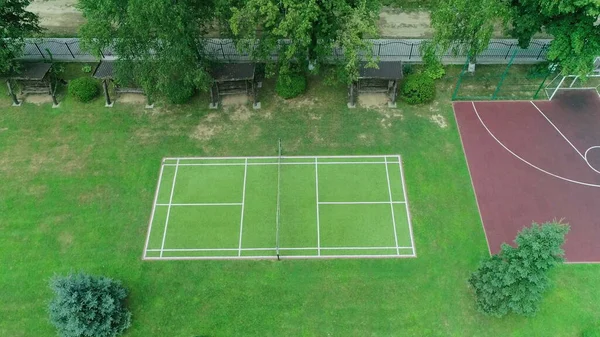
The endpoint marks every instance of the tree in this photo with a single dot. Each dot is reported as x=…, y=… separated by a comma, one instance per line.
x=515, y=279
x=572, y=23
x=16, y=23
x=158, y=42
x=87, y=305
x=465, y=26
x=306, y=31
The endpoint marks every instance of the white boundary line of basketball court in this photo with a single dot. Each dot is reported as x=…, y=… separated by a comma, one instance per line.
x=318, y=248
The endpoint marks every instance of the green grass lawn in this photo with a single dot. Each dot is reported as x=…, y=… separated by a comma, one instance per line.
x=78, y=184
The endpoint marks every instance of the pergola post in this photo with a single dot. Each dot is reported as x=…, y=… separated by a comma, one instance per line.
x=394, y=89
x=214, y=96
x=256, y=103
x=52, y=92
x=149, y=103
x=108, y=102
x=352, y=95
x=12, y=94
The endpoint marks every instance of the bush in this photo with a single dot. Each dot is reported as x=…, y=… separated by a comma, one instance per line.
x=87, y=305
x=417, y=89
x=178, y=91
x=290, y=85
x=84, y=89
x=515, y=279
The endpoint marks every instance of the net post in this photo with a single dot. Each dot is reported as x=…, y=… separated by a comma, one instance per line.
x=278, y=212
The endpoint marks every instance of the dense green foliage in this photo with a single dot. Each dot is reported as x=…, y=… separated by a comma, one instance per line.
x=465, y=26
x=16, y=23
x=83, y=89
x=417, y=89
x=572, y=24
x=515, y=279
x=86, y=305
x=178, y=91
x=161, y=55
x=290, y=85
x=310, y=30
x=433, y=66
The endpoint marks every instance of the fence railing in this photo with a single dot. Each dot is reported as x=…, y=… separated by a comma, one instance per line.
x=407, y=50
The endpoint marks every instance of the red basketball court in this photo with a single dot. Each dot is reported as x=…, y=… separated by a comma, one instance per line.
x=535, y=162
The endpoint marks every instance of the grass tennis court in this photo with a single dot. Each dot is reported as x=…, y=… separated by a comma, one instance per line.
x=329, y=207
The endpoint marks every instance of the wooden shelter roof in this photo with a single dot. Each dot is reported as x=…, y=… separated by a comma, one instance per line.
x=32, y=71
x=232, y=72
x=388, y=70
x=105, y=70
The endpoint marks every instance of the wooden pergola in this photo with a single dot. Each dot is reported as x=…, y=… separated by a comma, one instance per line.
x=234, y=79
x=33, y=79
x=105, y=73
x=371, y=80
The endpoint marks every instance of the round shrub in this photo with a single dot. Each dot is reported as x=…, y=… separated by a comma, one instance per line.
x=84, y=89
x=417, y=89
x=290, y=85
x=86, y=305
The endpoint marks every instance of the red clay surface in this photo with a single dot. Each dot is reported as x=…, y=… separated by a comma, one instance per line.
x=552, y=173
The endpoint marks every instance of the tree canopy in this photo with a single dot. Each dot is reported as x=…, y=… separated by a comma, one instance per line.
x=572, y=23
x=465, y=26
x=515, y=279
x=158, y=42
x=16, y=23
x=309, y=30
x=87, y=305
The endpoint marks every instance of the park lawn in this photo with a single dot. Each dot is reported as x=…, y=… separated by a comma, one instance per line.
x=77, y=190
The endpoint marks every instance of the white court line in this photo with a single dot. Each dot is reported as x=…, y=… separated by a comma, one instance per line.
x=270, y=249
x=583, y=156
x=290, y=163
x=162, y=167
x=360, y=202
x=206, y=204
x=412, y=240
x=317, y=196
x=525, y=161
x=169, y=210
x=283, y=157
x=290, y=257
x=557, y=130
x=387, y=175
x=243, y=201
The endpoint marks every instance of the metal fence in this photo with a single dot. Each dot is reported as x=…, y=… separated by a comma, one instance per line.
x=407, y=50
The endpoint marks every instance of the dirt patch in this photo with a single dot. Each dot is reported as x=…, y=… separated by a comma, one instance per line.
x=232, y=100
x=241, y=114
x=206, y=132
x=435, y=106
x=3, y=129
x=314, y=117
x=366, y=138
x=374, y=100
x=38, y=99
x=439, y=120
x=131, y=99
x=393, y=23
x=58, y=15
x=388, y=116
x=300, y=102
x=37, y=191
x=66, y=240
